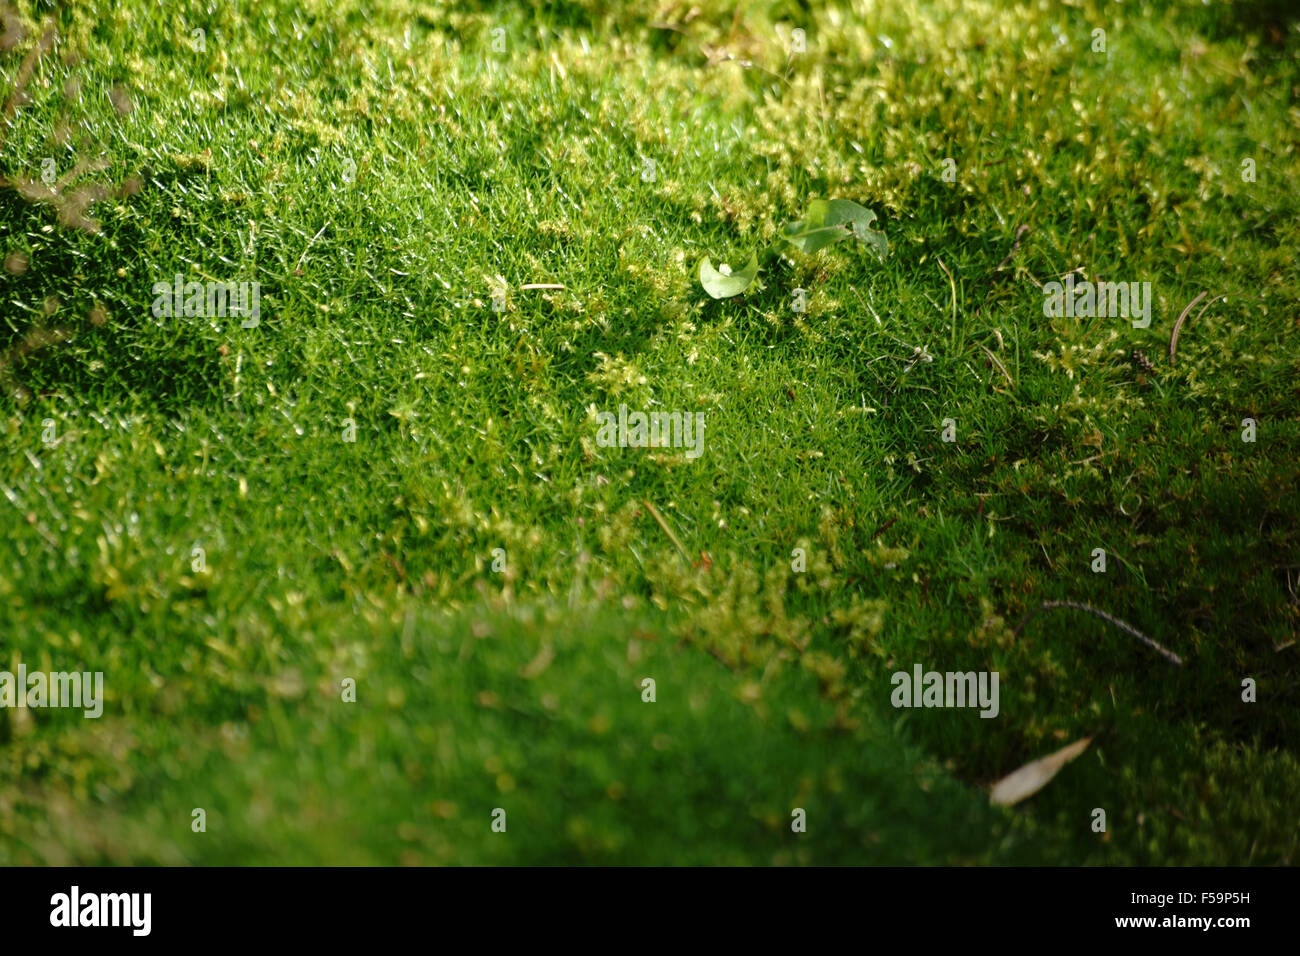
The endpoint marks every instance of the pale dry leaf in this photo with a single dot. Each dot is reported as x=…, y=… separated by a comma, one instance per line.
x=1032, y=777
x=534, y=668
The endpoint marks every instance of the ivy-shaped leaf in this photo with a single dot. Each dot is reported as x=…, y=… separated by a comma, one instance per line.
x=809, y=239
x=830, y=220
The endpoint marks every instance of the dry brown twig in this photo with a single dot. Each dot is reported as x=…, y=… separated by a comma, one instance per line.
x=659, y=519
x=1109, y=619
x=1015, y=247
x=71, y=203
x=1178, y=326
x=72, y=206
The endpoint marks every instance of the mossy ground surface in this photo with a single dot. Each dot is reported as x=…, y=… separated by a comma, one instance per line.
x=382, y=169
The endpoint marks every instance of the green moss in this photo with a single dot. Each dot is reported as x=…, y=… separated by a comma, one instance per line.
x=382, y=170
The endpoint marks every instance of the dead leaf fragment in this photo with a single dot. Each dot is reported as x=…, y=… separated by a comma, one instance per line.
x=1032, y=777
x=534, y=668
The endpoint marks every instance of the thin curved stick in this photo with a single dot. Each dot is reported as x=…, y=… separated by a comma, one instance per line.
x=1122, y=625
x=1173, y=339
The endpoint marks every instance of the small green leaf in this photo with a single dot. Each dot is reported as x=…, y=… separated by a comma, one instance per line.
x=723, y=285
x=811, y=239
x=830, y=220
x=876, y=240
x=859, y=219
